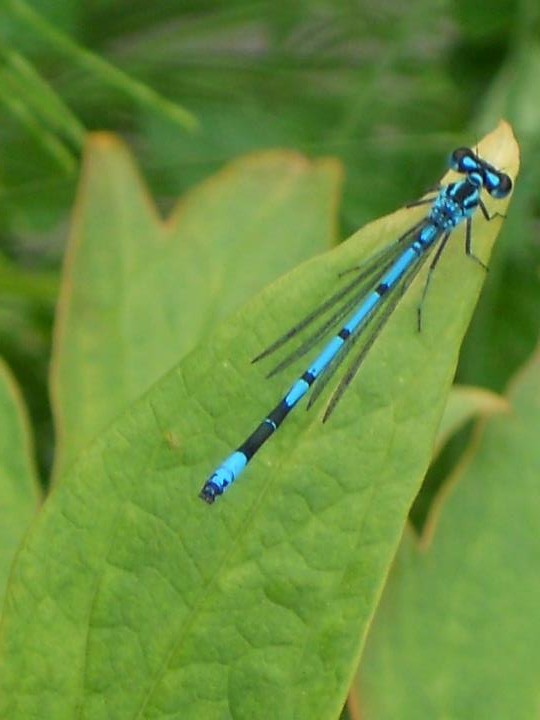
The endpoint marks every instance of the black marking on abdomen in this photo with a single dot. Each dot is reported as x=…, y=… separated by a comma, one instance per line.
x=382, y=288
x=308, y=378
x=265, y=430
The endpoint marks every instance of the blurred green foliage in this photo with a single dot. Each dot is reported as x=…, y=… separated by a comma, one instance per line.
x=389, y=88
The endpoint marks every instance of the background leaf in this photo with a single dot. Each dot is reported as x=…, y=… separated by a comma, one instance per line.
x=19, y=491
x=457, y=632
x=132, y=598
x=138, y=293
x=464, y=403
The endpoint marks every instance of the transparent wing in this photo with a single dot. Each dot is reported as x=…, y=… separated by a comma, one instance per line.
x=341, y=302
x=368, y=333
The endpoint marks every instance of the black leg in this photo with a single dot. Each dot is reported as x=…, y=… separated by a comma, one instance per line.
x=432, y=267
x=486, y=214
x=468, y=245
x=423, y=201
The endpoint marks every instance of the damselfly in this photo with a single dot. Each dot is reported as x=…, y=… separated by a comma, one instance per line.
x=368, y=300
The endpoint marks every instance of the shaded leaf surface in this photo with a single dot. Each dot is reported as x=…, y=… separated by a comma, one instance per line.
x=457, y=634
x=133, y=599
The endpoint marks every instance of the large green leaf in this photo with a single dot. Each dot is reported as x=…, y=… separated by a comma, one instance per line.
x=138, y=293
x=19, y=493
x=458, y=632
x=134, y=599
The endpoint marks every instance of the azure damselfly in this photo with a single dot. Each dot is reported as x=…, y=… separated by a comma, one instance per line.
x=367, y=301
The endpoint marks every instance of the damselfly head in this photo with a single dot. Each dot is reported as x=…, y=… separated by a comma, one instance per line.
x=480, y=173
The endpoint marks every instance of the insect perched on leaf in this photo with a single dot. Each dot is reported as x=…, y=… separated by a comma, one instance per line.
x=367, y=301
